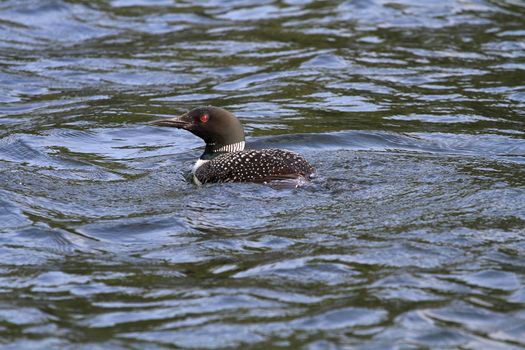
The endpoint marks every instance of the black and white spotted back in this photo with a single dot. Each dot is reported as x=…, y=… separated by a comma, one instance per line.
x=254, y=166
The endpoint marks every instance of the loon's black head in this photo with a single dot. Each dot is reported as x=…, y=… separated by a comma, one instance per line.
x=216, y=126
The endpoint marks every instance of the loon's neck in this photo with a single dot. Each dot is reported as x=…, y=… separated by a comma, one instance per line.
x=212, y=150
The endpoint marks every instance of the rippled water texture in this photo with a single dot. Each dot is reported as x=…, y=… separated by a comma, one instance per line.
x=412, y=235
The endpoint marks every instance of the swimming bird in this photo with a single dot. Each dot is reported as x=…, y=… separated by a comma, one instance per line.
x=225, y=158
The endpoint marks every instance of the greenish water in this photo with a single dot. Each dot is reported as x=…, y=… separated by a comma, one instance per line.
x=412, y=235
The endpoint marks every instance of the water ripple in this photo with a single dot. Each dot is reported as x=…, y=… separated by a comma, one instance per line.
x=409, y=236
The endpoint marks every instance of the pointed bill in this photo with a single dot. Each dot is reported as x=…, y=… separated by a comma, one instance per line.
x=180, y=122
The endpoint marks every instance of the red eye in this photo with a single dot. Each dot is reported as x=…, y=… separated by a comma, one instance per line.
x=204, y=118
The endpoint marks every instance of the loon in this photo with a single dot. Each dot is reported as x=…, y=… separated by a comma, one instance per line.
x=225, y=159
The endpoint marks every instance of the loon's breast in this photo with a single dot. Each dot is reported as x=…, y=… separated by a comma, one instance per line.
x=253, y=166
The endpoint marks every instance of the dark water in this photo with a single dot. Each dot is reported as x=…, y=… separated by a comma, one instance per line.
x=411, y=237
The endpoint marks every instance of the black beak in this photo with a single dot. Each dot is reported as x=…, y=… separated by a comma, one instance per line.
x=180, y=122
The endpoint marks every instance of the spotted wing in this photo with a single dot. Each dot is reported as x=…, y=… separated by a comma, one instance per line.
x=255, y=166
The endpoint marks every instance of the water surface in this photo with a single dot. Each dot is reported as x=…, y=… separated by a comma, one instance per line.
x=412, y=235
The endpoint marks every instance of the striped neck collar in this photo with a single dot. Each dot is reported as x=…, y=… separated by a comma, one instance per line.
x=234, y=147
x=211, y=151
